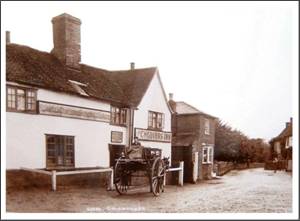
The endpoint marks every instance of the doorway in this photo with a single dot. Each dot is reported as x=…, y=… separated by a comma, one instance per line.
x=115, y=152
x=183, y=153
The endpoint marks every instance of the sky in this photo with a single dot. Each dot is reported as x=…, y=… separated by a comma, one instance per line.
x=233, y=60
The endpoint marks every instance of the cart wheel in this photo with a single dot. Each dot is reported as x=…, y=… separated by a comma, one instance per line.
x=121, y=177
x=157, y=176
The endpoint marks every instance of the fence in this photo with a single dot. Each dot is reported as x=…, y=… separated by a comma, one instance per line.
x=281, y=165
x=222, y=167
x=180, y=170
x=53, y=174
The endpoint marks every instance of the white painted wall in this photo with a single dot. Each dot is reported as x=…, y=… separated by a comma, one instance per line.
x=25, y=139
x=154, y=101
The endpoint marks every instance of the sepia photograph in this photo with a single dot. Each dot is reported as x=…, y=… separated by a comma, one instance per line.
x=146, y=110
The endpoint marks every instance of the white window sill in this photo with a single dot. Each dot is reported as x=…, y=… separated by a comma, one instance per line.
x=206, y=162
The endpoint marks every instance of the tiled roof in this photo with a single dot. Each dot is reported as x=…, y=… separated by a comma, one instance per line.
x=286, y=132
x=42, y=69
x=182, y=107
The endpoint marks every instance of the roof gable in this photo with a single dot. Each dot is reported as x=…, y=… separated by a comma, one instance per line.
x=183, y=108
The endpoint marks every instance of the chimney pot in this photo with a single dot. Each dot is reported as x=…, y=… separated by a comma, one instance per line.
x=7, y=37
x=287, y=124
x=171, y=96
x=132, y=66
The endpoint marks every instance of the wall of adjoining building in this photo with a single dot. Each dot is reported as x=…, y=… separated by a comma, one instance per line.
x=154, y=100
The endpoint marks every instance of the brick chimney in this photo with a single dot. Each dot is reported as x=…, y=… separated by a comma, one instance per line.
x=171, y=96
x=66, y=39
x=7, y=37
x=172, y=103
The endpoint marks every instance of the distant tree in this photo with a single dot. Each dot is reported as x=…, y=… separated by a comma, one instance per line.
x=233, y=145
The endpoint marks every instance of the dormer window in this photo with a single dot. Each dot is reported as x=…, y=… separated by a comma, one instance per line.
x=79, y=87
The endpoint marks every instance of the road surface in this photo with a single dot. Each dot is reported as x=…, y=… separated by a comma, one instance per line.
x=250, y=191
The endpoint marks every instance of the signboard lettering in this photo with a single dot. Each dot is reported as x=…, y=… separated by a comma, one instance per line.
x=152, y=135
x=116, y=137
x=72, y=111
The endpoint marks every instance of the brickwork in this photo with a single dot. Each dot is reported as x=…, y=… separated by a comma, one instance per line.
x=66, y=39
x=192, y=125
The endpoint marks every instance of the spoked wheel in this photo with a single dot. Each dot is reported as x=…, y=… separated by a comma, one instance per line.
x=157, y=176
x=121, y=177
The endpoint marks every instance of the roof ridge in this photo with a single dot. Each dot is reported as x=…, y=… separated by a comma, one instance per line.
x=27, y=47
x=45, y=70
x=191, y=106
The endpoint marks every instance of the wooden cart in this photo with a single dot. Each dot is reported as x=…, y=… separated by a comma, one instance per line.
x=152, y=166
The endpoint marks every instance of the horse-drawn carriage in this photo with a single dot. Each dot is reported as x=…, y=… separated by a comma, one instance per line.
x=146, y=162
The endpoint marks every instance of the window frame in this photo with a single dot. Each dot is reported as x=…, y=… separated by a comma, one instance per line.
x=206, y=126
x=209, y=155
x=288, y=142
x=118, y=116
x=66, y=145
x=153, y=123
x=33, y=99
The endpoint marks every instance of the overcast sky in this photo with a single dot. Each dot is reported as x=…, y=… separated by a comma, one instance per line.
x=231, y=60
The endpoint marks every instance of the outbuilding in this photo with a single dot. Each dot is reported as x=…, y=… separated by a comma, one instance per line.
x=193, y=140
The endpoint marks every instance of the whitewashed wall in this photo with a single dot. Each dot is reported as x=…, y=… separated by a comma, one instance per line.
x=25, y=141
x=154, y=100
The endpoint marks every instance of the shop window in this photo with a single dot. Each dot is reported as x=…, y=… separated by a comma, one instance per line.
x=206, y=126
x=155, y=120
x=207, y=154
x=60, y=151
x=118, y=115
x=20, y=99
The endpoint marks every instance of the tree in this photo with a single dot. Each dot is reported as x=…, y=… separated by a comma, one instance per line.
x=233, y=145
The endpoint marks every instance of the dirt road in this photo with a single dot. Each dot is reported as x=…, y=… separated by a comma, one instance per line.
x=253, y=190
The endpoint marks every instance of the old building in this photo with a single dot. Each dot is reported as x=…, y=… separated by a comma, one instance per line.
x=281, y=145
x=63, y=114
x=193, y=139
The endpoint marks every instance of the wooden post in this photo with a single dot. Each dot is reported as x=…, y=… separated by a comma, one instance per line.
x=53, y=180
x=195, y=167
x=180, y=180
x=111, y=183
x=165, y=179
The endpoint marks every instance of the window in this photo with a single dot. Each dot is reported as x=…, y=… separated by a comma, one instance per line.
x=78, y=87
x=21, y=99
x=277, y=147
x=207, y=154
x=206, y=126
x=288, y=142
x=155, y=120
x=60, y=151
x=118, y=115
